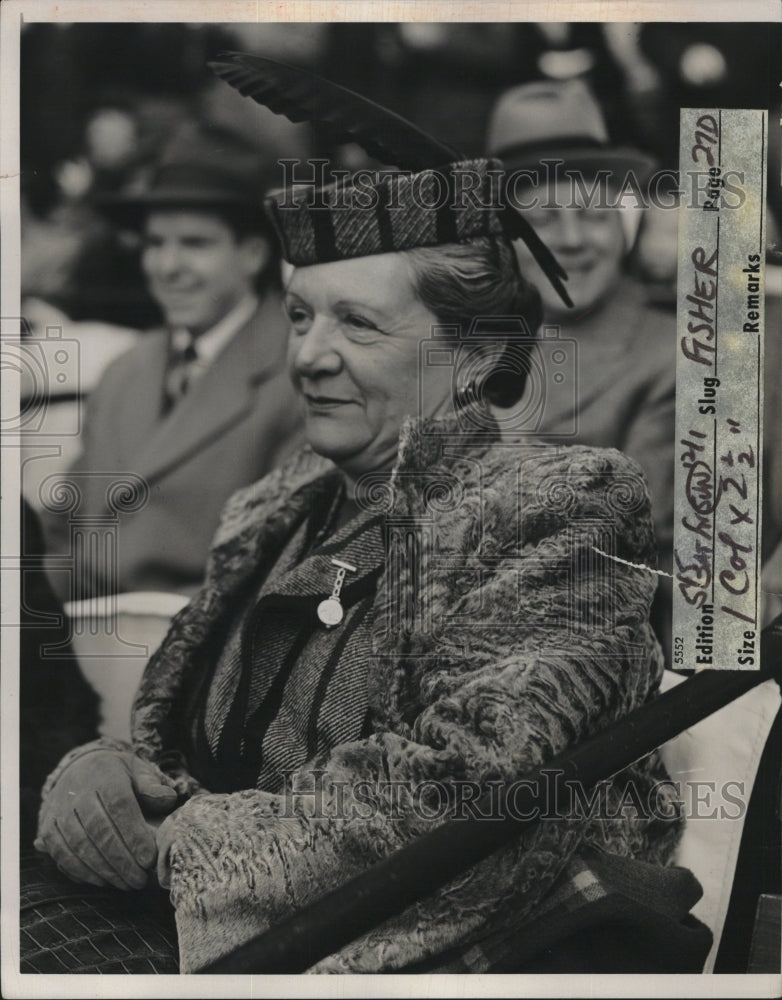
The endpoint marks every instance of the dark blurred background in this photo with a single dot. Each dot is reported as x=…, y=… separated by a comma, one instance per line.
x=98, y=101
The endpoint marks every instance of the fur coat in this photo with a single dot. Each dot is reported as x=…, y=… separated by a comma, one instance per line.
x=506, y=637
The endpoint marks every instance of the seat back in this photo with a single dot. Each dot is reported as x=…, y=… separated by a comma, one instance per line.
x=113, y=639
x=715, y=763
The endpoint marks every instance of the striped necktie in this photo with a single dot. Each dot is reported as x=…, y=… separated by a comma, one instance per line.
x=182, y=357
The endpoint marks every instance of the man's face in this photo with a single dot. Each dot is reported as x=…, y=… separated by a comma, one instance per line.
x=588, y=242
x=196, y=269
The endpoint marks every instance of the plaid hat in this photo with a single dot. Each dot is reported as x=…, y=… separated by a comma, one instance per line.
x=388, y=212
x=435, y=206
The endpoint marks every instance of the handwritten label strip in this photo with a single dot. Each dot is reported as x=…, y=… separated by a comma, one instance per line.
x=719, y=389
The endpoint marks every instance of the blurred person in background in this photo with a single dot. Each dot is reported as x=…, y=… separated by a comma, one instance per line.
x=622, y=394
x=201, y=406
x=75, y=265
x=621, y=391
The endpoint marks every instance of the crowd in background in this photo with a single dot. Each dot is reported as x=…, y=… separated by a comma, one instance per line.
x=98, y=100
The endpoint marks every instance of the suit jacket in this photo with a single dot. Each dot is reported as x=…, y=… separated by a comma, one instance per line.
x=238, y=421
x=504, y=638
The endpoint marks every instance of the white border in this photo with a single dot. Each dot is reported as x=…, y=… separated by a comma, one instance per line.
x=395, y=10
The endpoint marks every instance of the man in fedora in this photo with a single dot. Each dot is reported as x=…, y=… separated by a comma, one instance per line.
x=620, y=390
x=196, y=409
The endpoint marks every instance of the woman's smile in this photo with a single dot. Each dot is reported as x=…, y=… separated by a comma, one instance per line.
x=317, y=402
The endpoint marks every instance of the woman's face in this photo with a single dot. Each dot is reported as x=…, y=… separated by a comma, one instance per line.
x=353, y=353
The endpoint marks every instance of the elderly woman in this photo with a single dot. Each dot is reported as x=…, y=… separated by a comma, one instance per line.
x=406, y=605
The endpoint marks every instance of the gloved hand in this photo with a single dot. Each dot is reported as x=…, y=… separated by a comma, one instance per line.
x=91, y=821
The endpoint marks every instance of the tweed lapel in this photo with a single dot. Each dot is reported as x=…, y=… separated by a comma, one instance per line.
x=256, y=523
x=360, y=544
x=436, y=459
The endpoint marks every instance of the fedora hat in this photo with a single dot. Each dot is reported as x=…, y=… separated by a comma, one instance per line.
x=558, y=119
x=202, y=167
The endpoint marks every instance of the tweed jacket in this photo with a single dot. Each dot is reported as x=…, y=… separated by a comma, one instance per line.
x=508, y=636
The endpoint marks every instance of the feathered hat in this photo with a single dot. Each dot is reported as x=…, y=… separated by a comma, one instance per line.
x=441, y=197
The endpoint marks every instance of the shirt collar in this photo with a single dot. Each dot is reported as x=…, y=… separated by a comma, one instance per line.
x=209, y=344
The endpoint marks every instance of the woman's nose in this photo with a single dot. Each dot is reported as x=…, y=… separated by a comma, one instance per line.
x=314, y=351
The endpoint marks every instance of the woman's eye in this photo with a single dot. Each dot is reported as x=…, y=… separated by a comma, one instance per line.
x=297, y=316
x=359, y=322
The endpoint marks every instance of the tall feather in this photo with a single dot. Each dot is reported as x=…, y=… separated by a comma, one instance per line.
x=303, y=96
x=517, y=228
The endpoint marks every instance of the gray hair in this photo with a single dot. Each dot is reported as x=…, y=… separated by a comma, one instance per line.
x=480, y=279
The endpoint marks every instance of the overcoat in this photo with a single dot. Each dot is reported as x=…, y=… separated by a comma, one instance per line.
x=514, y=627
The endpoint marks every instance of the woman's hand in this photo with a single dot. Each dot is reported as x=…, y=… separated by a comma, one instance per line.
x=92, y=823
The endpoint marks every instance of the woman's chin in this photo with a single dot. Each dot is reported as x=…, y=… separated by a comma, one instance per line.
x=332, y=446
x=355, y=458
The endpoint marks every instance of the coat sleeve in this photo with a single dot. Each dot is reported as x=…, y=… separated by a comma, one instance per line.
x=579, y=652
